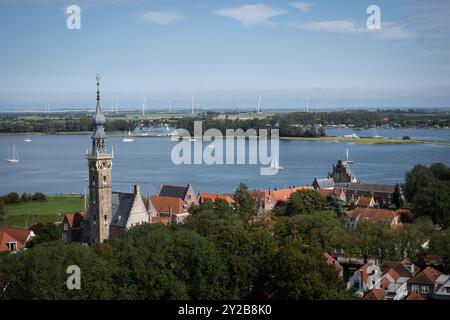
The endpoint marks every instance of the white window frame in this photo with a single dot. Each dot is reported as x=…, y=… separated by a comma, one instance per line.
x=12, y=244
x=425, y=289
x=415, y=288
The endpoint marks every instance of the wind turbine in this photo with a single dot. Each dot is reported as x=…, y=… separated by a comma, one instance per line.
x=143, y=106
x=258, y=104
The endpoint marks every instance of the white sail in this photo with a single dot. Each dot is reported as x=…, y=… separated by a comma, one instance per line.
x=15, y=157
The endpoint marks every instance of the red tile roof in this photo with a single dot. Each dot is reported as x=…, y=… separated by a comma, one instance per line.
x=20, y=236
x=372, y=214
x=163, y=220
x=374, y=294
x=168, y=204
x=277, y=195
x=415, y=296
x=325, y=192
x=74, y=219
x=211, y=197
x=333, y=262
x=426, y=276
x=364, y=201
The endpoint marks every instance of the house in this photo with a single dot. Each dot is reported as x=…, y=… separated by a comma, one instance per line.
x=382, y=194
x=265, y=200
x=365, y=202
x=323, y=184
x=425, y=282
x=340, y=194
x=372, y=214
x=184, y=193
x=211, y=198
x=13, y=239
x=414, y=296
x=365, y=279
x=387, y=281
x=171, y=207
x=72, y=227
x=395, y=275
x=334, y=263
x=442, y=290
x=374, y=294
x=128, y=210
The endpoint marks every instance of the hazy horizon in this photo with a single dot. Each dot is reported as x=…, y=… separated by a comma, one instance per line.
x=225, y=54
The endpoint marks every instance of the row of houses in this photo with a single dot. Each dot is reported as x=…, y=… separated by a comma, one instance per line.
x=399, y=280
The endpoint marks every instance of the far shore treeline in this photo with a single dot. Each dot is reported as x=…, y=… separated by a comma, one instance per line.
x=293, y=124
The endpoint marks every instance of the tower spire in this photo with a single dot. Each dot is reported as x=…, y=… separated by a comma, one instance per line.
x=98, y=120
x=98, y=87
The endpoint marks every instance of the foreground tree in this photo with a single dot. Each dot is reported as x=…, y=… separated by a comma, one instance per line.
x=50, y=232
x=245, y=203
x=428, y=191
x=41, y=273
x=304, y=202
x=3, y=214
x=300, y=274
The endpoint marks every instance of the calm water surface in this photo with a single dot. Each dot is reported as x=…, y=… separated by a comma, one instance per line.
x=56, y=164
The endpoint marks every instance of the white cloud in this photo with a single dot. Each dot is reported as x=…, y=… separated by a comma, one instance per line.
x=393, y=31
x=159, y=17
x=303, y=6
x=388, y=31
x=339, y=26
x=251, y=14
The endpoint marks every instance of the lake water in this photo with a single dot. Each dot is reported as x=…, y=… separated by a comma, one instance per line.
x=56, y=164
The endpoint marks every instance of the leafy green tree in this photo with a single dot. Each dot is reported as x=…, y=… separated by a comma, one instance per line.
x=50, y=232
x=428, y=191
x=371, y=239
x=304, y=202
x=440, y=249
x=11, y=198
x=39, y=196
x=25, y=197
x=245, y=202
x=3, y=214
x=41, y=273
x=300, y=274
x=315, y=229
x=335, y=204
x=158, y=262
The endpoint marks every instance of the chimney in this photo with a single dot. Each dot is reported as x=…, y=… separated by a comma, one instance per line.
x=137, y=189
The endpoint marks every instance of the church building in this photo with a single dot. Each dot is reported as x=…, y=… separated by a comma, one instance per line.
x=108, y=214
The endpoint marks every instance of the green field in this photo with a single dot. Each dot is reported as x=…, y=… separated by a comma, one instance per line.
x=368, y=140
x=26, y=214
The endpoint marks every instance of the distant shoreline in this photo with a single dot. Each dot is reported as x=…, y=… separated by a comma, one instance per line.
x=332, y=139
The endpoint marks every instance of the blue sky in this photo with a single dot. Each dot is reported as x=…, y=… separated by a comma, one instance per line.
x=225, y=53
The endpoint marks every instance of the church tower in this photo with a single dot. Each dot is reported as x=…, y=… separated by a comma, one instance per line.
x=99, y=213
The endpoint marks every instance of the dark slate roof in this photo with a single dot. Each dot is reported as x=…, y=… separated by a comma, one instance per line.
x=341, y=185
x=325, y=183
x=121, y=207
x=173, y=191
x=369, y=187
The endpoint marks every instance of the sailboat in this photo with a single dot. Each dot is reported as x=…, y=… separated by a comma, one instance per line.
x=349, y=161
x=127, y=139
x=375, y=135
x=15, y=157
x=275, y=165
x=27, y=139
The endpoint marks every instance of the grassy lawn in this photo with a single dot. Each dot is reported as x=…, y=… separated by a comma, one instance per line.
x=368, y=140
x=54, y=209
